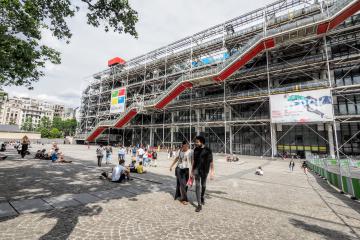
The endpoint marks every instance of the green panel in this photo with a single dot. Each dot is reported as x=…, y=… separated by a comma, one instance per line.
x=336, y=181
x=356, y=186
x=345, y=185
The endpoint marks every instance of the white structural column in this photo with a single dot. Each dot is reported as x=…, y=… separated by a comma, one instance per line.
x=198, y=130
x=172, y=130
x=151, y=140
x=331, y=139
x=230, y=132
x=227, y=128
x=273, y=139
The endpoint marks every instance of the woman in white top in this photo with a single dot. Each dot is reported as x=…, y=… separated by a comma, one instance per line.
x=183, y=162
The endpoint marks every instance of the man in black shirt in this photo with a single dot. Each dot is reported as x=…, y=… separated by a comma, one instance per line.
x=202, y=163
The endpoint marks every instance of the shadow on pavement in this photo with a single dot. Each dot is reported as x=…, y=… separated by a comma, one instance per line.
x=66, y=221
x=41, y=180
x=325, y=233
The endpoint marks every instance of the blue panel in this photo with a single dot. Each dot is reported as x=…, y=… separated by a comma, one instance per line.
x=121, y=99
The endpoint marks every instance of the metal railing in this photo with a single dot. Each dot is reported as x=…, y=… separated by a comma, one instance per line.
x=341, y=173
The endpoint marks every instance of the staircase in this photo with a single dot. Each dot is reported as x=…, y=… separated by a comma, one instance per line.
x=315, y=26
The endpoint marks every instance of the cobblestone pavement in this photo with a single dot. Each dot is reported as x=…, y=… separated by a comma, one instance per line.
x=239, y=204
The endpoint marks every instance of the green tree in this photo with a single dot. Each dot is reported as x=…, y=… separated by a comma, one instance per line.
x=57, y=123
x=44, y=127
x=23, y=56
x=55, y=133
x=45, y=123
x=45, y=133
x=69, y=127
x=28, y=125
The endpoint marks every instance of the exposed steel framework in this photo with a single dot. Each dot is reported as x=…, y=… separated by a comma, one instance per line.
x=162, y=77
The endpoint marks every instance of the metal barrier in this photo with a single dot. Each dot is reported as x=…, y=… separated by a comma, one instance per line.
x=344, y=174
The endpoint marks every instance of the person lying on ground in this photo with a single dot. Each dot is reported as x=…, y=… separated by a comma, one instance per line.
x=118, y=174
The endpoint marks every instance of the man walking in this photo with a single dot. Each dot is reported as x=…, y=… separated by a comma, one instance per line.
x=202, y=163
x=291, y=165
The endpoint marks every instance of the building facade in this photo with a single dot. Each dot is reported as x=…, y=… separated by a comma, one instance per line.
x=219, y=82
x=15, y=111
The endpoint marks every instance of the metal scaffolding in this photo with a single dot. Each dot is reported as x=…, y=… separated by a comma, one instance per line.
x=234, y=114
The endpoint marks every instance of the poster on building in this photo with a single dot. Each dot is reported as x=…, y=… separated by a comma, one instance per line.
x=117, y=104
x=302, y=107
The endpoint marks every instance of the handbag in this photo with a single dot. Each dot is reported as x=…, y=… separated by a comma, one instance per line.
x=190, y=182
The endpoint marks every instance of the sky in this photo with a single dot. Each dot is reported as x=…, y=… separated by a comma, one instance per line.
x=160, y=22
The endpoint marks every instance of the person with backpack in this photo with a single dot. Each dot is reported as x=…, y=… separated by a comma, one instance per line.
x=99, y=154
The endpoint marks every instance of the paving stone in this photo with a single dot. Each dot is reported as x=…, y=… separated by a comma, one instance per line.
x=62, y=201
x=85, y=198
x=6, y=210
x=30, y=205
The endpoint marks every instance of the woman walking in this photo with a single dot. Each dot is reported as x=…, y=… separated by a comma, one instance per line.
x=24, y=145
x=183, y=163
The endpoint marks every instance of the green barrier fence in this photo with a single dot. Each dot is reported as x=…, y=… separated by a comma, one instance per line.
x=343, y=174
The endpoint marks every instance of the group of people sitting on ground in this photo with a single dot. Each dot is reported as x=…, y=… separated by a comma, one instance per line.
x=54, y=154
x=136, y=168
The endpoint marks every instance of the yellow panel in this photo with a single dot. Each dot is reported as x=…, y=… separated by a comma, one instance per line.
x=293, y=147
x=286, y=147
x=300, y=147
x=114, y=101
x=307, y=148
x=322, y=149
x=314, y=148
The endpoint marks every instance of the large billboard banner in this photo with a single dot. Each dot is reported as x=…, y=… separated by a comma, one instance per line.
x=117, y=104
x=302, y=107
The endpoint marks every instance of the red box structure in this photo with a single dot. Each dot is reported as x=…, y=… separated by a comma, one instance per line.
x=115, y=61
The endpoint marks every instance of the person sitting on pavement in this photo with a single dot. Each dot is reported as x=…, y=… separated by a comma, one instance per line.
x=132, y=166
x=57, y=156
x=119, y=173
x=259, y=171
x=140, y=168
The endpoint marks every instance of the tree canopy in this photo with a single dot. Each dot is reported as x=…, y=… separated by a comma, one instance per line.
x=56, y=128
x=23, y=56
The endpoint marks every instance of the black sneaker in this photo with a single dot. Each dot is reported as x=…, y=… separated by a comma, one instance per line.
x=198, y=208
